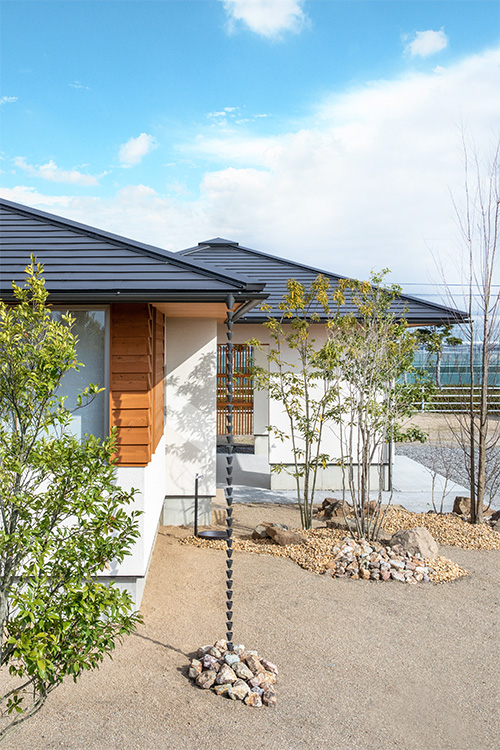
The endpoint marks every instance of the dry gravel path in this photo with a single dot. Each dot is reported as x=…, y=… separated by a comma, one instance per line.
x=362, y=665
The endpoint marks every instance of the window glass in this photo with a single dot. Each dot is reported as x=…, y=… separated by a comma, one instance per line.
x=90, y=328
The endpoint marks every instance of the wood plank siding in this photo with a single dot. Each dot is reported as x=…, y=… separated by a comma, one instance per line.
x=242, y=402
x=137, y=381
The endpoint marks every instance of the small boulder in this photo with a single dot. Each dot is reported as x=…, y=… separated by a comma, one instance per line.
x=284, y=537
x=260, y=531
x=495, y=516
x=417, y=540
x=461, y=506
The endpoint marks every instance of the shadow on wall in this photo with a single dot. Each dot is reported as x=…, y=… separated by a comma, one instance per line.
x=192, y=415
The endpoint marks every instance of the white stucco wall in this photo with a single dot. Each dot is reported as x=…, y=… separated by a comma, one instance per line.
x=150, y=482
x=191, y=370
x=271, y=411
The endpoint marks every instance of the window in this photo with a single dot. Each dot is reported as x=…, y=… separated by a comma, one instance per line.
x=92, y=350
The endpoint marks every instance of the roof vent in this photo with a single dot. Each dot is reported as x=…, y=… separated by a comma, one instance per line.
x=218, y=241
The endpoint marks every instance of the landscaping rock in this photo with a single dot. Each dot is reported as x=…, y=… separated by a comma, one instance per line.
x=417, y=540
x=284, y=537
x=254, y=664
x=253, y=699
x=461, y=506
x=269, y=666
x=269, y=698
x=231, y=658
x=226, y=674
x=238, y=674
x=238, y=690
x=205, y=680
x=210, y=662
x=242, y=671
x=260, y=531
x=195, y=669
x=221, y=689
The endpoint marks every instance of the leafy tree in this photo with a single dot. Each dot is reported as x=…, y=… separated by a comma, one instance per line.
x=433, y=340
x=371, y=349
x=62, y=519
x=296, y=377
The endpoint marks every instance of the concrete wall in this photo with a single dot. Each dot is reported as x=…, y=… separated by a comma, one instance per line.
x=190, y=432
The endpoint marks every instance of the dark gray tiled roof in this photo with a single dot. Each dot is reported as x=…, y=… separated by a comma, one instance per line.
x=89, y=265
x=275, y=272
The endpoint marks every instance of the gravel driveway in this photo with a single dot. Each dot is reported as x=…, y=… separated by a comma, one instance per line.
x=362, y=665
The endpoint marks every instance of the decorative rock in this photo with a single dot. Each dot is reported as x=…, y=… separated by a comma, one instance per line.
x=269, y=666
x=222, y=689
x=230, y=674
x=226, y=674
x=385, y=575
x=254, y=663
x=269, y=677
x=269, y=698
x=210, y=662
x=260, y=531
x=195, y=669
x=284, y=537
x=461, y=506
x=417, y=540
x=397, y=564
x=242, y=671
x=206, y=679
x=364, y=573
x=238, y=690
x=257, y=680
x=397, y=576
x=253, y=699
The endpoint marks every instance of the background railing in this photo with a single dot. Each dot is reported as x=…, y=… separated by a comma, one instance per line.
x=456, y=399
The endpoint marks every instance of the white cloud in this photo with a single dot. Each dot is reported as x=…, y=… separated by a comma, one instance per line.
x=363, y=185
x=7, y=99
x=50, y=171
x=78, y=85
x=135, y=149
x=425, y=43
x=267, y=17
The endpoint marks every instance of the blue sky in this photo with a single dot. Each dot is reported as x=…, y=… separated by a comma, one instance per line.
x=324, y=131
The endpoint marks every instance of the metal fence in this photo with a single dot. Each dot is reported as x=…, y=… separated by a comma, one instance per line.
x=455, y=399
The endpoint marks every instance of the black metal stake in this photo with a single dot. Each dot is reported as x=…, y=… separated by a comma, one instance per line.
x=229, y=473
x=196, y=482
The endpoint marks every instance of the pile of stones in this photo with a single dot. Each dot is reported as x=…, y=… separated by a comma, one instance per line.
x=239, y=674
x=362, y=560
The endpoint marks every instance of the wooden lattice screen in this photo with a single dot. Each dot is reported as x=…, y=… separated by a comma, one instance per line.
x=242, y=393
